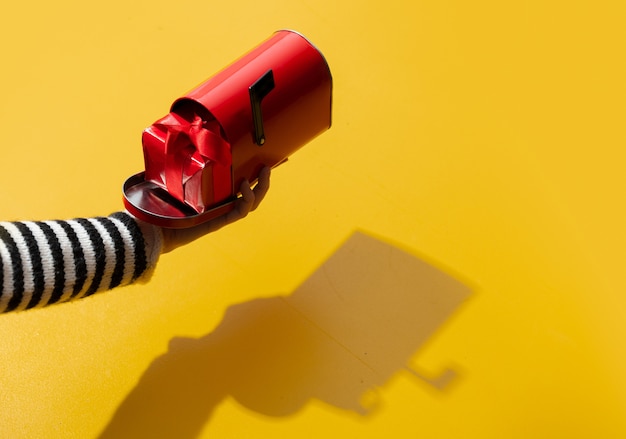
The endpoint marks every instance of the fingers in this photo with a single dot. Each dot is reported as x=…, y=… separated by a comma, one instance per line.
x=249, y=200
x=243, y=205
x=262, y=186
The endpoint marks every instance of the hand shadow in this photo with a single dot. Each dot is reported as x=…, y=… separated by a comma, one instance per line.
x=346, y=330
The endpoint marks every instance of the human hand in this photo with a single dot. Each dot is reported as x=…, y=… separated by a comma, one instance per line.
x=249, y=201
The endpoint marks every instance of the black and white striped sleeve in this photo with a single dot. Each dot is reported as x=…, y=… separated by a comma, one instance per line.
x=47, y=262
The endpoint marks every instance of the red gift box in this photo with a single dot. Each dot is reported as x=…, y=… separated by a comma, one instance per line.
x=189, y=158
x=254, y=113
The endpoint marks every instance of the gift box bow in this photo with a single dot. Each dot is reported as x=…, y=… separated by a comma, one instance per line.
x=184, y=139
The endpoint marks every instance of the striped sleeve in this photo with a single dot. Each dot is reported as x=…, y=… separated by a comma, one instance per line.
x=47, y=262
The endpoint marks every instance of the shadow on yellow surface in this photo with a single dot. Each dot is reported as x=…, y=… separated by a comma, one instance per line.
x=354, y=323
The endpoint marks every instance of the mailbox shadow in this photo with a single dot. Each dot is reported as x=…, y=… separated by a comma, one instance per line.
x=354, y=323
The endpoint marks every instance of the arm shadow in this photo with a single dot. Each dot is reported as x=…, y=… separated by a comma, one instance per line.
x=354, y=323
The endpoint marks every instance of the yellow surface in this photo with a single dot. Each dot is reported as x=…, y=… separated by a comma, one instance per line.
x=485, y=139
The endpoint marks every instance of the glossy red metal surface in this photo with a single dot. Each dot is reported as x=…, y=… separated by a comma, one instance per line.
x=151, y=203
x=254, y=113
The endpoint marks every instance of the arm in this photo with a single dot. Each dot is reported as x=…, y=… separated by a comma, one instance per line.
x=47, y=262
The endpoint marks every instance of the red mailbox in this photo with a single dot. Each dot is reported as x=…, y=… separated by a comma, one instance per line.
x=254, y=113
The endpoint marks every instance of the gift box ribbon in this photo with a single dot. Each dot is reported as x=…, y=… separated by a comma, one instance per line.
x=183, y=139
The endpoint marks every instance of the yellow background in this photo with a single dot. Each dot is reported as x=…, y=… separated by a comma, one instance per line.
x=486, y=138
